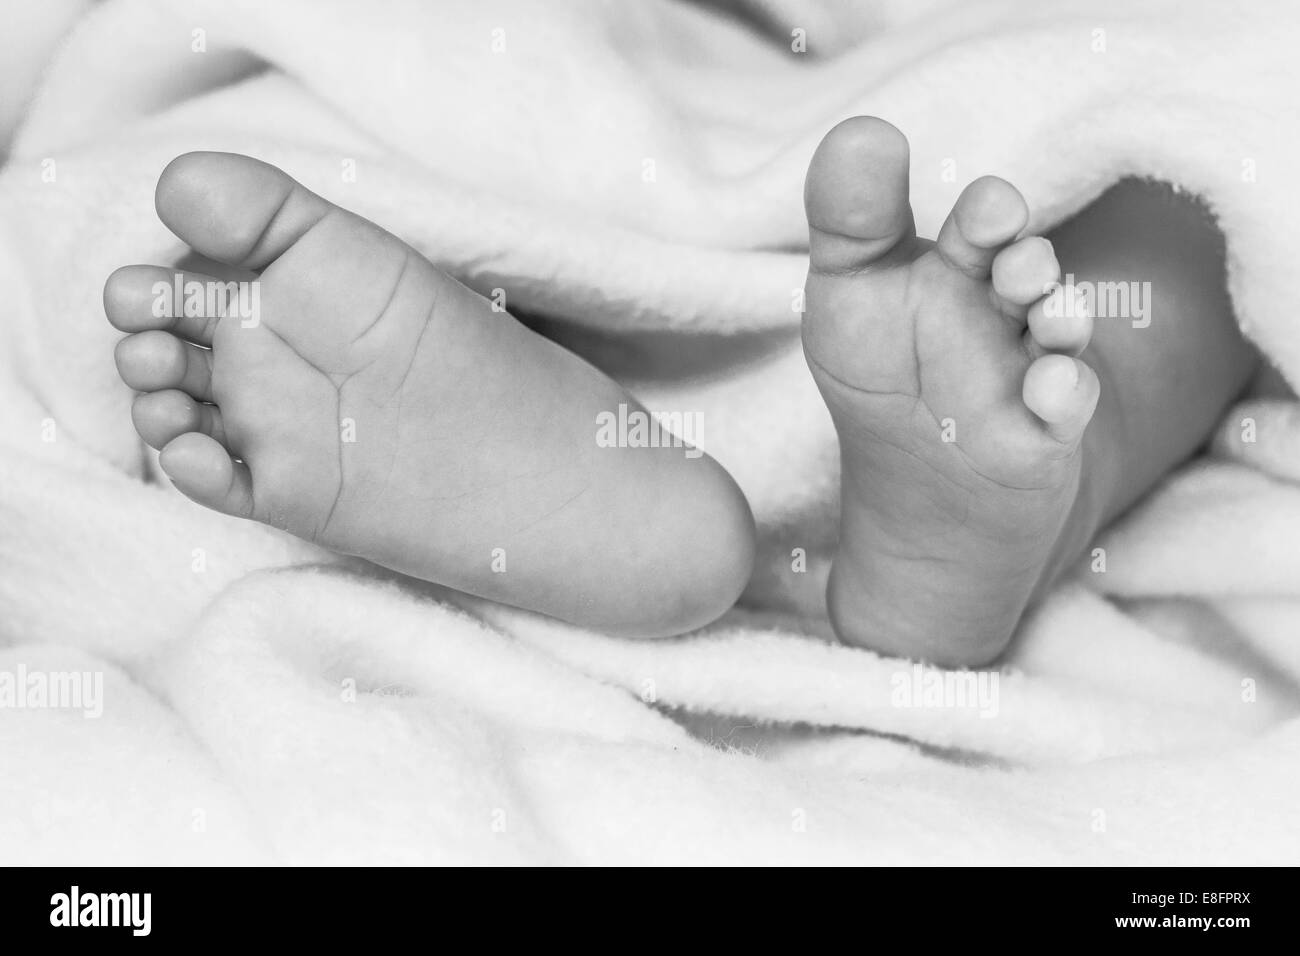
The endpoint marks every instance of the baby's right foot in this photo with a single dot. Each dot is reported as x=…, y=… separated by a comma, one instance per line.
x=959, y=403
x=380, y=408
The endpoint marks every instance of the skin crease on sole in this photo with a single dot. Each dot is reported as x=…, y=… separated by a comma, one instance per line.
x=382, y=409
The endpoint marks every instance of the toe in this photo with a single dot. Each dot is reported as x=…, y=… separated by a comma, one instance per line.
x=162, y=416
x=149, y=361
x=1025, y=271
x=1063, y=392
x=235, y=209
x=856, y=195
x=989, y=213
x=204, y=472
x=143, y=298
x=1060, y=321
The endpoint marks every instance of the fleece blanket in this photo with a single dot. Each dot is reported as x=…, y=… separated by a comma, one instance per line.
x=186, y=688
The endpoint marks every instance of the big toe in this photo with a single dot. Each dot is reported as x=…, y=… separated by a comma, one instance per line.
x=235, y=209
x=856, y=195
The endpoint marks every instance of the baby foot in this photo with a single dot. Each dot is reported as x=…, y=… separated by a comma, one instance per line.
x=382, y=409
x=957, y=396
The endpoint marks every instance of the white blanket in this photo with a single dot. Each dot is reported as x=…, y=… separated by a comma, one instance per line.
x=632, y=173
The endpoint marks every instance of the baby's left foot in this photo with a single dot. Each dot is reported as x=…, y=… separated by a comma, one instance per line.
x=957, y=396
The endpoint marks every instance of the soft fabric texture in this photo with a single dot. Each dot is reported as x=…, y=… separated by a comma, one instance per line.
x=630, y=175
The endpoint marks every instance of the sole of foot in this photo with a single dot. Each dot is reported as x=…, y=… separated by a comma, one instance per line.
x=951, y=370
x=380, y=408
